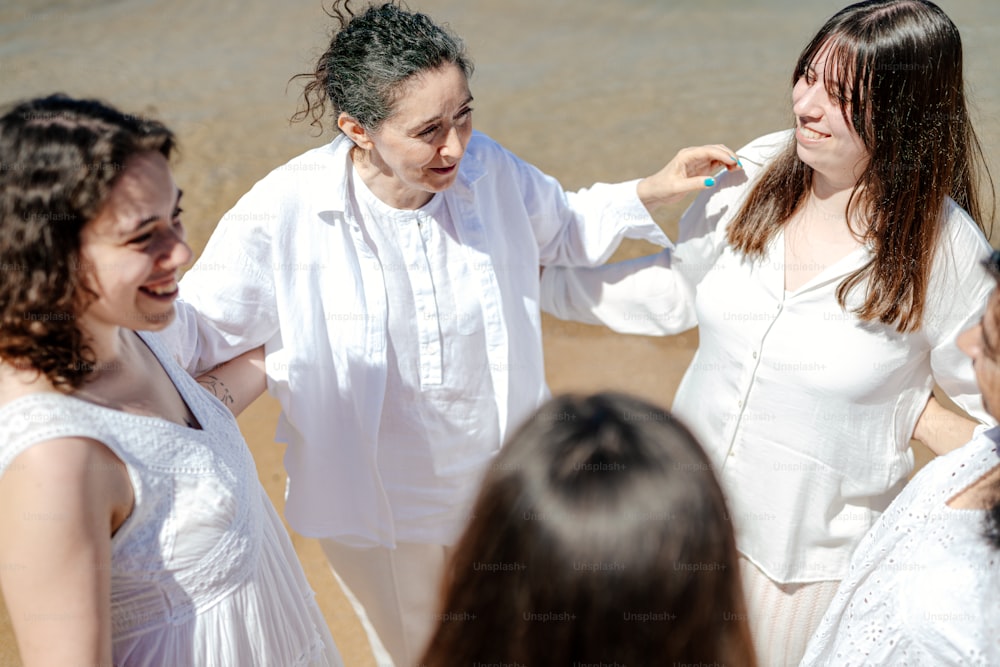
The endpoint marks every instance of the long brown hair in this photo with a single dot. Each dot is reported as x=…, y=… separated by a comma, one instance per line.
x=600, y=535
x=60, y=159
x=901, y=88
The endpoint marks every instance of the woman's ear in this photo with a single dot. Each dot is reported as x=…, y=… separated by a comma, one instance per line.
x=354, y=131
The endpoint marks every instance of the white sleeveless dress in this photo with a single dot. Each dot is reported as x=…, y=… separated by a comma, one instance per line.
x=202, y=571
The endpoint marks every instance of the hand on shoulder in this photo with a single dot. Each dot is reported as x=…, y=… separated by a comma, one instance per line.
x=692, y=169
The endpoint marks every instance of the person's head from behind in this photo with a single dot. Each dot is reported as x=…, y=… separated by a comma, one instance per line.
x=398, y=87
x=89, y=236
x=600, y=535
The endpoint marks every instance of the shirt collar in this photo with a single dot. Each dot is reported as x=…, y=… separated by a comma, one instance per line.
x=471, y=169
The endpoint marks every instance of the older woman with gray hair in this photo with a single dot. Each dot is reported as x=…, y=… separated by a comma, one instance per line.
x=392, y=276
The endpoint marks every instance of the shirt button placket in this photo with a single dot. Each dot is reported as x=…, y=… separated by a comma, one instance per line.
x=741, y=403
x=422, y=284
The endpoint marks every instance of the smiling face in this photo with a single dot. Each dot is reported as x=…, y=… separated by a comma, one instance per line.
x=825, y=140
x=416, y=151
x=982, y=344
x=131, y=251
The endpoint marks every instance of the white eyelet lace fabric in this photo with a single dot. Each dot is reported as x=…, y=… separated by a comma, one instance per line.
x=924, y=584
x=202, y=572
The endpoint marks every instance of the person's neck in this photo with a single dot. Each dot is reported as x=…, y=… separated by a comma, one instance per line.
x=981, y=494
x=384, y=184
x=109, y=344
x=830, y=201
x=117, y=366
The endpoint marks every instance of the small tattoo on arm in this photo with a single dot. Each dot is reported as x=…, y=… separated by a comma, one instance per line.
x=217, y=387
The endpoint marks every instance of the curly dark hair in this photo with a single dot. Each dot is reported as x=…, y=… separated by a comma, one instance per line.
x=59, y=159
x=371, y=55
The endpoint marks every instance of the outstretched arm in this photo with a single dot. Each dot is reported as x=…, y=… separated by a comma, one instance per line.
x=586, y=226
x=237, y=382
x=654, y=295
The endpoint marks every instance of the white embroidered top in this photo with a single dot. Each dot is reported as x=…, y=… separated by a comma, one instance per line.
x=924, y=584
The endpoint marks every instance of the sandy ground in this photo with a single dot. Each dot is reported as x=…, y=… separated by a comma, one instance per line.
x=588, y=91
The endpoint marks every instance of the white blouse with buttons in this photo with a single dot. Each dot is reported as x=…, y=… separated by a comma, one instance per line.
x=806, y=411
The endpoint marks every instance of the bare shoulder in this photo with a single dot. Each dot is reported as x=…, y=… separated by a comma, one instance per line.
x=64, y=484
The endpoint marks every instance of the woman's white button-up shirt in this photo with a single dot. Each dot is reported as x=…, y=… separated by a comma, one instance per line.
x=805, y=410
x=291, y=267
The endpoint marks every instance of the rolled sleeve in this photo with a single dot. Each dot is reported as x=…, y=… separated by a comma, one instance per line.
x=229, y=294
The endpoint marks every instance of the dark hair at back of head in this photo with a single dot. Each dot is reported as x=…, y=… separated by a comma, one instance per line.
x=600, y=535
x=60, y=159
x=370, y=56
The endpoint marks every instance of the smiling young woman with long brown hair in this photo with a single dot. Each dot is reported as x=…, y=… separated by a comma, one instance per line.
x=828, y=282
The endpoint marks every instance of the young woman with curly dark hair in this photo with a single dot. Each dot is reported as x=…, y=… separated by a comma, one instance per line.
x=133, y=527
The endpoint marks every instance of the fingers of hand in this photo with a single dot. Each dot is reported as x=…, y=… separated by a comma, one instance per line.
x=705, y=160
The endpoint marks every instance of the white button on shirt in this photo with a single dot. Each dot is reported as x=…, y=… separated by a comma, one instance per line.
x=806, y=411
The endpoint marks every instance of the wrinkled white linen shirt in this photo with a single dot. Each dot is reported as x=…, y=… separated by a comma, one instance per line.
x=290, y=267
x=806, y=411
